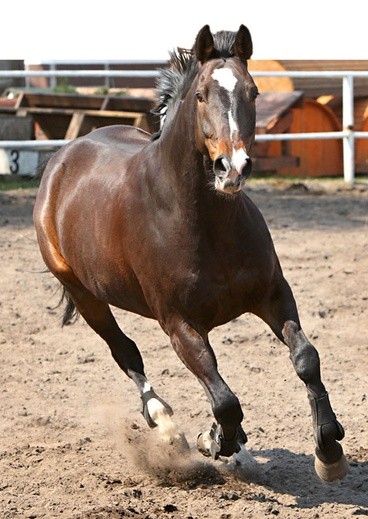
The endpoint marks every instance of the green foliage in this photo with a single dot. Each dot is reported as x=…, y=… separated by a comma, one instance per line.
x=64, y=87
x=121, y=93
x=10, y=182
x=103, y=90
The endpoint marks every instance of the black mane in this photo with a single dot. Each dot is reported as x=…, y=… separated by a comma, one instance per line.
x=182, y=68
x=173, y=80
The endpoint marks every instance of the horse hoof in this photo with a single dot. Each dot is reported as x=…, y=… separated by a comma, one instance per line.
x=330, y=472
x=204, y=442
x=212, y=443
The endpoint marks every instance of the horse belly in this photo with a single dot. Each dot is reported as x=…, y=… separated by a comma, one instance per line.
x=105, y=271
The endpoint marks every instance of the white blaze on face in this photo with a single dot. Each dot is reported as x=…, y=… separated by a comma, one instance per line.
x=227, y=80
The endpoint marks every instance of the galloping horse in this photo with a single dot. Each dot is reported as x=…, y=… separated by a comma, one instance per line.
x=160, y=226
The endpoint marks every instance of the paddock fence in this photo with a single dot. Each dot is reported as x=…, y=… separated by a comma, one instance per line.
x=348, y=134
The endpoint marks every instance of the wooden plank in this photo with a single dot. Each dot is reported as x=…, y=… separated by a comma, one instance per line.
x=45, y=111
x=71, y=111
x=55, y=122
x=54, y=126
x=105, y=102
x=129, y=103
x=86, y=102
x=90, y=122
x=82, y=122
x=76, y=101
x=66, y=104
x=75, y=125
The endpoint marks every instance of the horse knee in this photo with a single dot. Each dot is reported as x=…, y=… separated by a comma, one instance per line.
x=306, y=362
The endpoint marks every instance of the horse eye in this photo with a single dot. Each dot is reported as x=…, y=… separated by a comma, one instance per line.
x=199, y=96
x=254, y=93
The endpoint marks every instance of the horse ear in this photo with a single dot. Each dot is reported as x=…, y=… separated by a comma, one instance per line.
x=204, y=47
x=243, y=46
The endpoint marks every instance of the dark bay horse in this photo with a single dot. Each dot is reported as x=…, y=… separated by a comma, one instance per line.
x=160, y=226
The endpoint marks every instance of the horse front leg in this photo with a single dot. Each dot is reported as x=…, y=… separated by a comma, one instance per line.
x=330, y=462
x=226, y=435
x=281, y=314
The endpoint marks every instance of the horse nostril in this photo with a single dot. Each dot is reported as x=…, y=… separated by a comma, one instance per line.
x=222, y=165
x=247, y=169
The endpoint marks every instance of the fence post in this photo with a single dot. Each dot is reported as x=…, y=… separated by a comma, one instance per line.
x=348, y=127
x=107, y=79
x=53, y=80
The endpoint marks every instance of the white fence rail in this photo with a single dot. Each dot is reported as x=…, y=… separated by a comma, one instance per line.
x=348, y=134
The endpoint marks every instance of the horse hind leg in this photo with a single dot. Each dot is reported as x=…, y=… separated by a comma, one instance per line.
x=99, y=317
x=159, y=414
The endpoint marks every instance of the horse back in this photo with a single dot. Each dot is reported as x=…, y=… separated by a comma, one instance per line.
x=128, y=139
x=101, y=156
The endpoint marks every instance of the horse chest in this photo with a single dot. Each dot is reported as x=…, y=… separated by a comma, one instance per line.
x=212, y=289
x=209, y=267
x=226, y=292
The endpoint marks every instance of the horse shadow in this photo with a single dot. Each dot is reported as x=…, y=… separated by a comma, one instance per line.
x=277, y=470
x=286, y=472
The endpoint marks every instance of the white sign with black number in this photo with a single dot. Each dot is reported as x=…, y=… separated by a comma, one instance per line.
x=18, y=162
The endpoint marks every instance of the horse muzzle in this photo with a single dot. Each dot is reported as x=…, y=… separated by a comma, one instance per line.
x=228, y=178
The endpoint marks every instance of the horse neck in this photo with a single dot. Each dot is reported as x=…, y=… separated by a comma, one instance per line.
x=186, y=172
x=181, y=161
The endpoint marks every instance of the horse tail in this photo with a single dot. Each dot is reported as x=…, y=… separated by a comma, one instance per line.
x=71, y=314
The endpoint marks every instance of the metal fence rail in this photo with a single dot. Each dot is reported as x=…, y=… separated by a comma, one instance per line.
x=348, y=134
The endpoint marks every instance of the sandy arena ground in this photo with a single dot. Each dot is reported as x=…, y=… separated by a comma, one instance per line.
x=73, y=441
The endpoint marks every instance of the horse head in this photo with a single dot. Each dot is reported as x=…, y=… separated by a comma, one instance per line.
x=226, y=113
